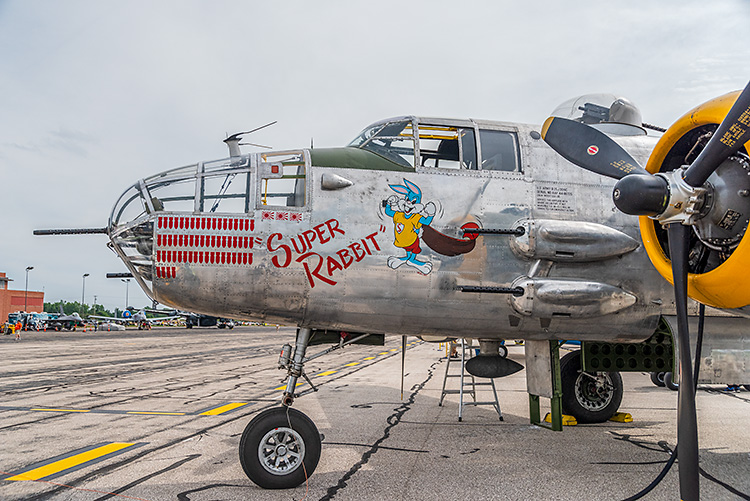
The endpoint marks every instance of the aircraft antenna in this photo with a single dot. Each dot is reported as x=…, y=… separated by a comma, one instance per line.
x=233, y=141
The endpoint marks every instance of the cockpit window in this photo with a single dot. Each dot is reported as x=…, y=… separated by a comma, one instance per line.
x=447, y=147
x=222, y=190
x=221, y=186
x=282, y=178
x=442, y=144
x=499, y=150
x=366, y=135
x=393, y=140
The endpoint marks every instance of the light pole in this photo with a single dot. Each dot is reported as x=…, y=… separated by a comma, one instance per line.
x=127, y=284
x=83, y=290
x=26, y=290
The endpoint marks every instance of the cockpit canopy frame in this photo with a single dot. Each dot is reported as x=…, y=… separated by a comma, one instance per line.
x=423, y=142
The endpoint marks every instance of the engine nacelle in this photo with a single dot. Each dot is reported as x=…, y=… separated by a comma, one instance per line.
x=726, y=283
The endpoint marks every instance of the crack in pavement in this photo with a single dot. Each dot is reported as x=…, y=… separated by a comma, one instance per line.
x=146, y=452
x=183, y=496
x=393, y=420
x=149, y=476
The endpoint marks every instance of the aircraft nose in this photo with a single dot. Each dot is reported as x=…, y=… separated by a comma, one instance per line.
x=134, y=243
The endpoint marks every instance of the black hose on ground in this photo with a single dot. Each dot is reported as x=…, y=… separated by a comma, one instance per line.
x=673, y=457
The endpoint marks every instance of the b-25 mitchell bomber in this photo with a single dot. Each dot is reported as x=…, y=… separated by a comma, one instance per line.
x=448, y=228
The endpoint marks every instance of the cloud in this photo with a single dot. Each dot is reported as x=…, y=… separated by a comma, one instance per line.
x=96, y=95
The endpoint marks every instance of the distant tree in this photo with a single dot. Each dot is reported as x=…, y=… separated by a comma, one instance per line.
x=98, y=309
x=82, y=309
x=53, y=307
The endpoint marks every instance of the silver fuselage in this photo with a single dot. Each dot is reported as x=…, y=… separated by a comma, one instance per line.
x=319, y=257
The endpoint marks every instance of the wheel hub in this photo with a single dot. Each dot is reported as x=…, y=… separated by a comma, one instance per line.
x=281, y=451
x=593, y=392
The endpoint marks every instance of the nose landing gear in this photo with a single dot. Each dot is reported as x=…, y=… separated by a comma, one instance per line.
x=280, y=447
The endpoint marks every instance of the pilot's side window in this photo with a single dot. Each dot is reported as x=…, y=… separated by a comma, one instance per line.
x=447, y=147
x=499, y=150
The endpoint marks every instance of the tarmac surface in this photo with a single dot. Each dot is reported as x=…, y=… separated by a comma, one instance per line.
x=158, y=415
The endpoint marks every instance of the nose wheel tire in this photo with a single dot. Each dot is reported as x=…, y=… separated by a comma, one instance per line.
x=591, y=397
x=280, y=448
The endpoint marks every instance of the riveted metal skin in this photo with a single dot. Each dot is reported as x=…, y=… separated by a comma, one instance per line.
x=570, y=241
x=319, y=256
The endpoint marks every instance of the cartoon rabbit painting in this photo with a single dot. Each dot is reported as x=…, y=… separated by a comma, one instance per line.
x=409, y=215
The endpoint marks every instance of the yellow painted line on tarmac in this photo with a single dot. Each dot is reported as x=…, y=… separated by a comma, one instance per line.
x=223, y=409
x=157, y=413
x=209, y=411
x=284, y=387
x=328, y=373
x=70, y=462
x=60, y=410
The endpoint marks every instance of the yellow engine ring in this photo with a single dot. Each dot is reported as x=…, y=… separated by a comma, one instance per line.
x=728, y=285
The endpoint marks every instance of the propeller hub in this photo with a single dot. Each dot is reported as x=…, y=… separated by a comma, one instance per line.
x=665, y=197
x=641, y=195
x=685, y=201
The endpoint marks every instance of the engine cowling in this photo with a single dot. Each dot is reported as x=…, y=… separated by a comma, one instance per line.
x=724, y=282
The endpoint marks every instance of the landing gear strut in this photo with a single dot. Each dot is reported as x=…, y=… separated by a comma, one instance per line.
x=280, y=447
x=295, y=368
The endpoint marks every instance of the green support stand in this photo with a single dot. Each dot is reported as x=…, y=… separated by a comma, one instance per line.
x=556, y=400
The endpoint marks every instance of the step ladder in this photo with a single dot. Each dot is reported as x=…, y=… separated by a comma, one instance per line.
x=465, y=383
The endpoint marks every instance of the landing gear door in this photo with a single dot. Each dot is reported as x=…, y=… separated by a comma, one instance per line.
x=282, y=179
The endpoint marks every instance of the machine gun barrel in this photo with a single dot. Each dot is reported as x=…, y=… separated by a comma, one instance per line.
x=71, y=231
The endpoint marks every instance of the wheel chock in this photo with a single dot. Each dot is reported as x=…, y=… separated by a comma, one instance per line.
x=622, y=417
x=566, y=419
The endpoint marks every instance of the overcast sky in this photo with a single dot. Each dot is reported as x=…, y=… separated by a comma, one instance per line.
x=97, y=94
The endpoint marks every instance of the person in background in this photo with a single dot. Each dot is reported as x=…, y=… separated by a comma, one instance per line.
x=454, y=349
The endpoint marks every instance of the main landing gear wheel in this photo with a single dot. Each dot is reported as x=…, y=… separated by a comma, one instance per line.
x=669, y=381
x=503, y=351
x=592, y=397
x=280, y=448
x=658, y=378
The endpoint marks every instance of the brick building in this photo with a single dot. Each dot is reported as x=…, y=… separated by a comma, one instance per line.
x=12, y=300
